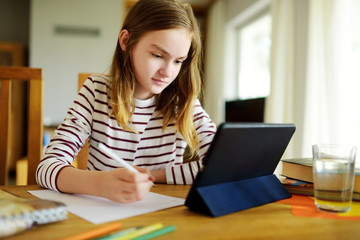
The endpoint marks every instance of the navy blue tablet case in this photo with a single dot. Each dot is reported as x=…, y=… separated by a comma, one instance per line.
x=238, y=168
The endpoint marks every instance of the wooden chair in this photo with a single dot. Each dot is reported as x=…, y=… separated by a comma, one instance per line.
x=13, y=54
x=35, y=114
x=83, y=155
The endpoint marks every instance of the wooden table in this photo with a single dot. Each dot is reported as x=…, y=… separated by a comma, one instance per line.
x=271, y=221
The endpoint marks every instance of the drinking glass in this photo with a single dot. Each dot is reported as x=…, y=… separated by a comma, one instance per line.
x=333, y=173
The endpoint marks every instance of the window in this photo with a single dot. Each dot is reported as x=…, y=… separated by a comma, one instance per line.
x=253, y=58
x=349, y=72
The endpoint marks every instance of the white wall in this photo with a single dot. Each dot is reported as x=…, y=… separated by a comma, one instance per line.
x=214, y=64
x=63, y=56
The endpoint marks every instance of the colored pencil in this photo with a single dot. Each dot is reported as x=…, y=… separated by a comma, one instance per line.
x=156, y=233
x=96, y=232
x=141, y=231
x=119, y=233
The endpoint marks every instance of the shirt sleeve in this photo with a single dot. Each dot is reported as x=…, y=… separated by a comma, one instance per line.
x=206, y=129
x=68, y=139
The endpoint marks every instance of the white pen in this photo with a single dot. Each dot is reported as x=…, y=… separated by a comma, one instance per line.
x=115, y=157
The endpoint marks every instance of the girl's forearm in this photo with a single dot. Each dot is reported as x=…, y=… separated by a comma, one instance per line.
x=119, y=185
x=73, y=180
x=160, y=176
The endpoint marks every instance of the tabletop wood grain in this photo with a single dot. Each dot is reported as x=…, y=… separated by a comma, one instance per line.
x=270, y=221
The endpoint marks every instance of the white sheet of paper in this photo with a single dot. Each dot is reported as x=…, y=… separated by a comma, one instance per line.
x=100, y=210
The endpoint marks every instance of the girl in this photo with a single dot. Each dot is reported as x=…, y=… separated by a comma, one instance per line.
x=146, y=111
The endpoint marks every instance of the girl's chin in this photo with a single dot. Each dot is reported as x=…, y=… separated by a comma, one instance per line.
x=158, y=90
x=146, y=95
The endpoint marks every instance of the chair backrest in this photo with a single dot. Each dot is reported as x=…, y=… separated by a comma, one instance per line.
x=35, y=114
x=83, y=155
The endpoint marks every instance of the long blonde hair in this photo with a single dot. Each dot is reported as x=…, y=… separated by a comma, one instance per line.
x=176, y=101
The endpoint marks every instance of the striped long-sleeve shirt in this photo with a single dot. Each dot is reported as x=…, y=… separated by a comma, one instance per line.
x=150, y=147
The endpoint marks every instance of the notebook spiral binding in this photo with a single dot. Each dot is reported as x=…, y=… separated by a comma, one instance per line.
x=17, y=214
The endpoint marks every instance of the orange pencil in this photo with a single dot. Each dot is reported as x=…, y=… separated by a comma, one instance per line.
x=96, y=232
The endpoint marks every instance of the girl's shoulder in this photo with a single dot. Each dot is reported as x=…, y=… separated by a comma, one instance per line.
x=100, y=81
x=197, y=104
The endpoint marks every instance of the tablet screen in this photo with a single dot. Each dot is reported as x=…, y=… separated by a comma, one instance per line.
x=244, y=150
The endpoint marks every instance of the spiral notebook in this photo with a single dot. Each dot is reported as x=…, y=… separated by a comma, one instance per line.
x=18, y=214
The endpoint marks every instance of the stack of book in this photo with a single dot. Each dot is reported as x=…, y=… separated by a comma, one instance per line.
x=298, y=177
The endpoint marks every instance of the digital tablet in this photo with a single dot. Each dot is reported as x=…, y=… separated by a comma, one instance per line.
x=242, y=151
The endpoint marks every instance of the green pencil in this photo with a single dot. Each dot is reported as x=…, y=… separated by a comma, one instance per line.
x=157, y=233
x=121, y=233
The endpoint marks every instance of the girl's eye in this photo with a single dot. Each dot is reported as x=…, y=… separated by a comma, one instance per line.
x=179, y=61
x=156, y=55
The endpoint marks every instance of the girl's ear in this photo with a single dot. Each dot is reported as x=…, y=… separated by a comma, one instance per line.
x=123, y=39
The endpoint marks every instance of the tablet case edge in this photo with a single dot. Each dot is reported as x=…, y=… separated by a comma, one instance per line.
x=224, y=198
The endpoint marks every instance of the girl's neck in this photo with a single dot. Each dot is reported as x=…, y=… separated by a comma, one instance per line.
x=145, y=102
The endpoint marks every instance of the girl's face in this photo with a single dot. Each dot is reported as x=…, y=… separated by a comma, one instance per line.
x=157, y=59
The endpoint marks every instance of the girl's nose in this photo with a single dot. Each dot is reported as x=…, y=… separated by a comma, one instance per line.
x=166, y=70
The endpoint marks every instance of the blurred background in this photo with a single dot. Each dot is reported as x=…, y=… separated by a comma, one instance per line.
x=276, y=61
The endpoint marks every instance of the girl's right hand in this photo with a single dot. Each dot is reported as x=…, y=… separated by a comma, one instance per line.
x=123, y=186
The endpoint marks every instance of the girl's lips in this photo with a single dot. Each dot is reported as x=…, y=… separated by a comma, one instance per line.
x=158, y=82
